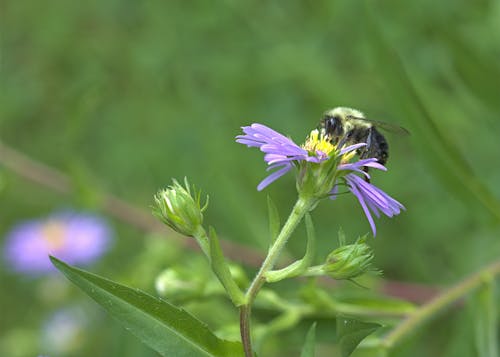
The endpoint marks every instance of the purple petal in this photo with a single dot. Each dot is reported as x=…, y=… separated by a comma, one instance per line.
x=351, y=148
x=352, y=167
x=279, y=150
x=273, y=177
x=375, y=165
x=372, y=162
x=370, y=191
x=373, y=208
x=258, y=134
x=334, y=191
x=372, y=199
x=361, y=200
x=245, y=141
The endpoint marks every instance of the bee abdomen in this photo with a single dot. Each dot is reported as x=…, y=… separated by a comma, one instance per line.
x=379, y=147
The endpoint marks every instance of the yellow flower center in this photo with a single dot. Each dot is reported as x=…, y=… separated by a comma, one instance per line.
x=53, y=233
x=315, y=142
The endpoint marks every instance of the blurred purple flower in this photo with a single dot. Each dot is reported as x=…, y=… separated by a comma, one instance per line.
x=73, y=237
x=64, y=331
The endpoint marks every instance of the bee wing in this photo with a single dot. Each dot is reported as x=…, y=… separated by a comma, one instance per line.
x=385, y=126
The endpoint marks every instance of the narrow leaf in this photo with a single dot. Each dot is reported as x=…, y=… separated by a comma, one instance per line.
x=351, y=332
x=308, y=350
x=221, y=270
x=486, y=320
x=274, y=219
x=165, y=328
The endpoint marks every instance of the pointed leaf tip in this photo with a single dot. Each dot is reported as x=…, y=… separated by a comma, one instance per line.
x=351, y=332
x=309, y=345
x=169, y=330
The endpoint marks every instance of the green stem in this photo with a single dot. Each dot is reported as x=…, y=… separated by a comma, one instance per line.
x=211, y=248
x=302, y=206
x=429, y=310
x=245, y=313
x=202, y=238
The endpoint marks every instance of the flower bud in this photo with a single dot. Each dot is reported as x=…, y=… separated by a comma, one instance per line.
x=179, y=209
x=349, y=261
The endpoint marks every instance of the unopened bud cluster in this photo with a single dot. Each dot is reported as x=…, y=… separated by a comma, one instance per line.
x=349, y=261
x=179, y=208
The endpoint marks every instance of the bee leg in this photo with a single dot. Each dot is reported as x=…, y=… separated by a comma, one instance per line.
x=344, y=139
x=367, y=151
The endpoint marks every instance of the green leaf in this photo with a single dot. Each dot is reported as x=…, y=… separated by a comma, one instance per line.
x=300, y=266
x=486, y=320
x=309, y=345
x=165, y=328
x=221, y=270
x=274, y=219
x=351, y=332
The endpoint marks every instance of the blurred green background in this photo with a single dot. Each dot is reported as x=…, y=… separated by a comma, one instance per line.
x=125, y=95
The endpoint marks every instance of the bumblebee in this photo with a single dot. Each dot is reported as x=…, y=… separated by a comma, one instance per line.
x=347, y=126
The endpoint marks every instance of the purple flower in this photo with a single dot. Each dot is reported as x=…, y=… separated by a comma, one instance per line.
x=282, y=153
x=372, y=199
x=73, y=237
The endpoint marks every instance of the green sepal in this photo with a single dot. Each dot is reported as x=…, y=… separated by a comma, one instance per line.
x=342, y=237
x=167, y=329
x=221, y=270
x=274, y=219
x=300, y=266
x=351, y=332
x=308, y=350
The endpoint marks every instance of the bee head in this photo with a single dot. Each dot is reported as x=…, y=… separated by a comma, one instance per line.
x=332, y=125
x=336, y=121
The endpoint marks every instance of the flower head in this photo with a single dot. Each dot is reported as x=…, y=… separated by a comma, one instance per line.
x=322, y=166
x=282, y=153
x=74, y=237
